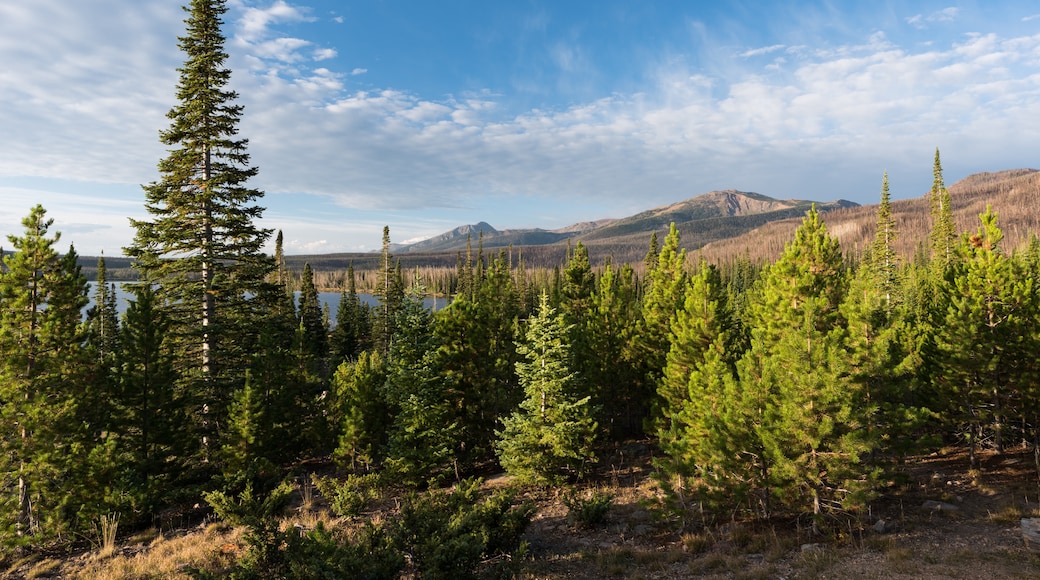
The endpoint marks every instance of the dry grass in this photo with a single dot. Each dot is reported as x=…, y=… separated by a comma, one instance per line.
x=211, y=547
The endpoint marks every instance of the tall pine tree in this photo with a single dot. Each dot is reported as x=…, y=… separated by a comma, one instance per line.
x=201, y=248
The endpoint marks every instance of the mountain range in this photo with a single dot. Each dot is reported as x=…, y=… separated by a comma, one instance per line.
x=718, y=225
x=701, y=215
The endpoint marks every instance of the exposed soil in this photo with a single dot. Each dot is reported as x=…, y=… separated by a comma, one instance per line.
x=974, y=533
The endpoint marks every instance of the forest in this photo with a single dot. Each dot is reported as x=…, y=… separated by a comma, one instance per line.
x=769, y=388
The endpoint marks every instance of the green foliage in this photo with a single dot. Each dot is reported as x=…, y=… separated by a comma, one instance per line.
x=458, y=534
x=695, y=394
x=199, y=248
x=988, y=338
x=353, y=331
x=423, y=436
x=43, y=372
x=612, y=369
x=588, y=510
x=476, y=357
x=291, y=553
x=362, y=410
x=550, y=438
x=943, y=234
x=663, y=296
x=248, y=508
x=350, y=496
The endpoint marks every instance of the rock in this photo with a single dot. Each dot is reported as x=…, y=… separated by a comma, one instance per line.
x=1031, y=533
x=881, y=526
x=939, y=506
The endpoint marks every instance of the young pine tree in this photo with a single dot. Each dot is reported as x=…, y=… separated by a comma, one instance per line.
x=550, y=438
x=802, y=416
x=42, y=369
x=988, y=339
x=697, y=380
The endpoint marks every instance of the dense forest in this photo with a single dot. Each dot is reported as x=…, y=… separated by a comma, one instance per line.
x=787, y=386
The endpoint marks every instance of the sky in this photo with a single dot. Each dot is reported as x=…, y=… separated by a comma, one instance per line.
x=423, y=116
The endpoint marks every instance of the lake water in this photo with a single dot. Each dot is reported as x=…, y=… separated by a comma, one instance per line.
x=331, y=298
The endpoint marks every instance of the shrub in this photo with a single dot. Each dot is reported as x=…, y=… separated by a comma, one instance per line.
x=590, y=510
x=350, y=496
x=457, y=535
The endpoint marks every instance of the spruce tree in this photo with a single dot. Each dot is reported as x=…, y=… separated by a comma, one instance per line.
x=201, y=248
x=314, y=340
x=664, y=294
x=353, y=329
x=882, y=257
x=151, y=413
x=550, y=438
x=423, y=437
x=362, y=410
x=391, y=293
x=476, y=357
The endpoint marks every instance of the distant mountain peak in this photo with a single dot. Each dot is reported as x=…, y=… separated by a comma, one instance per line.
x=712, y=206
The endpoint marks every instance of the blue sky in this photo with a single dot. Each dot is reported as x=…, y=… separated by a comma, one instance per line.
x=427, y=115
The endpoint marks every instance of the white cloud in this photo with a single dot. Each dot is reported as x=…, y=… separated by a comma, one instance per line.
x=324, y=54
x=921, y=21
x=760, y=51
x=818, y=122
x=255, y=23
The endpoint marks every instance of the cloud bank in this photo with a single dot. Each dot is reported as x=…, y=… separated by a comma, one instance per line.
x=785, y=119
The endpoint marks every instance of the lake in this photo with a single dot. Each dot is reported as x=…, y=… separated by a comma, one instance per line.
x=330, y=298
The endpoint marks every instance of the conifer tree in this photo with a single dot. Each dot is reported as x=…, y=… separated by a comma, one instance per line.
x=42, y=363
x=390, y=290
x=423, y=438
x=613, y=369
x=102, y=347
x=550, y=438
x=803, y=417
x=200, y=246
x=314, y=340
x=663, y=296
x=363, y=418
x=943, y=234
x=353, y=329
x=988, y=335
x=103, y=318
x=693, y=391
x=882, y=258
x=476, y=357
x=151, y=414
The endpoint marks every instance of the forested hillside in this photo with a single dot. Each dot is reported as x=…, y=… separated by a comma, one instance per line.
x=786, y=388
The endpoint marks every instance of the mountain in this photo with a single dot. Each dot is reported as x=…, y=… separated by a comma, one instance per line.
x=1014, y=195
x=742, y=210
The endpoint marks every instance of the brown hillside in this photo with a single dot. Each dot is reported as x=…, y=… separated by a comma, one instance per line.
x=1014, y=194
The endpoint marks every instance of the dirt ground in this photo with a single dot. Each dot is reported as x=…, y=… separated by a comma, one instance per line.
x=974, y=533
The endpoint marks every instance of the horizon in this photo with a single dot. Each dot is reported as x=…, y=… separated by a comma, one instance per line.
x=425, y=117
